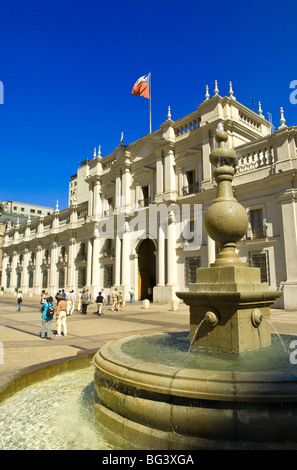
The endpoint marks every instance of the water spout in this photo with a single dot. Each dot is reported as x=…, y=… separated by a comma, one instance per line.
x=211, y=318
x=256, y=317
x=196, y=333
x=277, y=333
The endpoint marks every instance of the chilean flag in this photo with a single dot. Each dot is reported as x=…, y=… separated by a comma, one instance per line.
x=141, y=87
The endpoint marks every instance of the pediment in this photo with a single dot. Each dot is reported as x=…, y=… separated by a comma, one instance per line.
x=187, y=154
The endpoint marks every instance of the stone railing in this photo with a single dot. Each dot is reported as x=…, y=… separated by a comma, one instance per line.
x=188, y=124
x=254, y=159
x=249, y=120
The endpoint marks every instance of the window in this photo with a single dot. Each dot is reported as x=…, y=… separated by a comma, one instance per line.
x=18, y=280
x=256, y=219
x=31, y=279
x=192, y=185
x=61, y=278
x=144, y=202
x=81, y=281
x=190, y=269
x=109, y=211
x=260, y=260
x=44, y=279
x=108, y=275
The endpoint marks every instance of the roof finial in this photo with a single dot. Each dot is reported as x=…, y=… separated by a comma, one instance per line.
x=216, y=90
x=282, y=119
x=57, y=206
x=99, y=151
x=206, y=94
x=122, y=137
x=260, y=112
x=94, y=152
x=231, y=92
x=169, y=114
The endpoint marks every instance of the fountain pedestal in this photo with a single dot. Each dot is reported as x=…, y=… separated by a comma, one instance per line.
x=229, y=309
x=229, y=306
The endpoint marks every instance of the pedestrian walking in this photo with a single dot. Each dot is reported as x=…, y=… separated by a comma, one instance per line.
x=59, y=296
x=114, y=297
x=70, y=302
x=131, y=292
x=120, y=301
x=85, y=298
x=61, y=318
x=79, y=305
x=100, y=302
x=46, y=317
x=19, y=300
x=43, y=297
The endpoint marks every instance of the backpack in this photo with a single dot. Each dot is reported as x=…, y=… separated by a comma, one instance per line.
x=50, y=312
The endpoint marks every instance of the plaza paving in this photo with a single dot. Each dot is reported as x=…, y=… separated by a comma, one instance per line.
x=23, y=349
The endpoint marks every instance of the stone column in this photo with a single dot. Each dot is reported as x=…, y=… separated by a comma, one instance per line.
x=159, y=175
x=125, y=268
x=24, y=284
x=71, y=264
x=289, y=224
x=89, y=263
x=161, y=257
x=95, y=266
x=169, y=175
x=117, y=262
x=97, y=199
x=171, y=251
x=4, y=267
x=37, y=278
x=53, y=284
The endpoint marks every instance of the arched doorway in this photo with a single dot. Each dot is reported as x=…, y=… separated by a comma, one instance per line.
x=146, y=269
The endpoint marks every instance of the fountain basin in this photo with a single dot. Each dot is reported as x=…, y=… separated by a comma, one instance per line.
x=153, y=405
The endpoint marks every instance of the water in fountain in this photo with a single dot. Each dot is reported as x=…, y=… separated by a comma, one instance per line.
x=55, y=414
x=172, y=349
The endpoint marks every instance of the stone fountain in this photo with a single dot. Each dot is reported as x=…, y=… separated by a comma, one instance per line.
x=192, y=403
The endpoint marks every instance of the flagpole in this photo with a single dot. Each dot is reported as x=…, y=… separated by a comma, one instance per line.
x=150, y=91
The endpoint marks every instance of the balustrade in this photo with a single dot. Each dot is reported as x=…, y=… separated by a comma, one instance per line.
x=255, y=159
x=187, y=127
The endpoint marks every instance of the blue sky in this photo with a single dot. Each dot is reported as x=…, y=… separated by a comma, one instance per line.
x=68, y=68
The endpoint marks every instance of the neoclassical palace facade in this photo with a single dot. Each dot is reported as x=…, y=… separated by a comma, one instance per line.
x=135, y=217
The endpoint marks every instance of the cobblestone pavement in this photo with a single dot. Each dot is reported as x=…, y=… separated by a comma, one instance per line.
x=23, y=348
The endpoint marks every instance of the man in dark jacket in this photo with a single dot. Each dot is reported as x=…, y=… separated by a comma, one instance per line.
x=85, y=298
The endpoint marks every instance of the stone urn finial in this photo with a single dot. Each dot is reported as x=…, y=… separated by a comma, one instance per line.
x=226, y=220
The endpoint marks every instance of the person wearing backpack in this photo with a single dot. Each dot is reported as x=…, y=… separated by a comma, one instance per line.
x=47, y=316
x=99, y=302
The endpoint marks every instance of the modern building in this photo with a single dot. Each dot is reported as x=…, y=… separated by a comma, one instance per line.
x=135, y=216
x=13, y=213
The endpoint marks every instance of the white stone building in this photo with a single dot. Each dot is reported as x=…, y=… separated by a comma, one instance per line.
x=135, y=216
